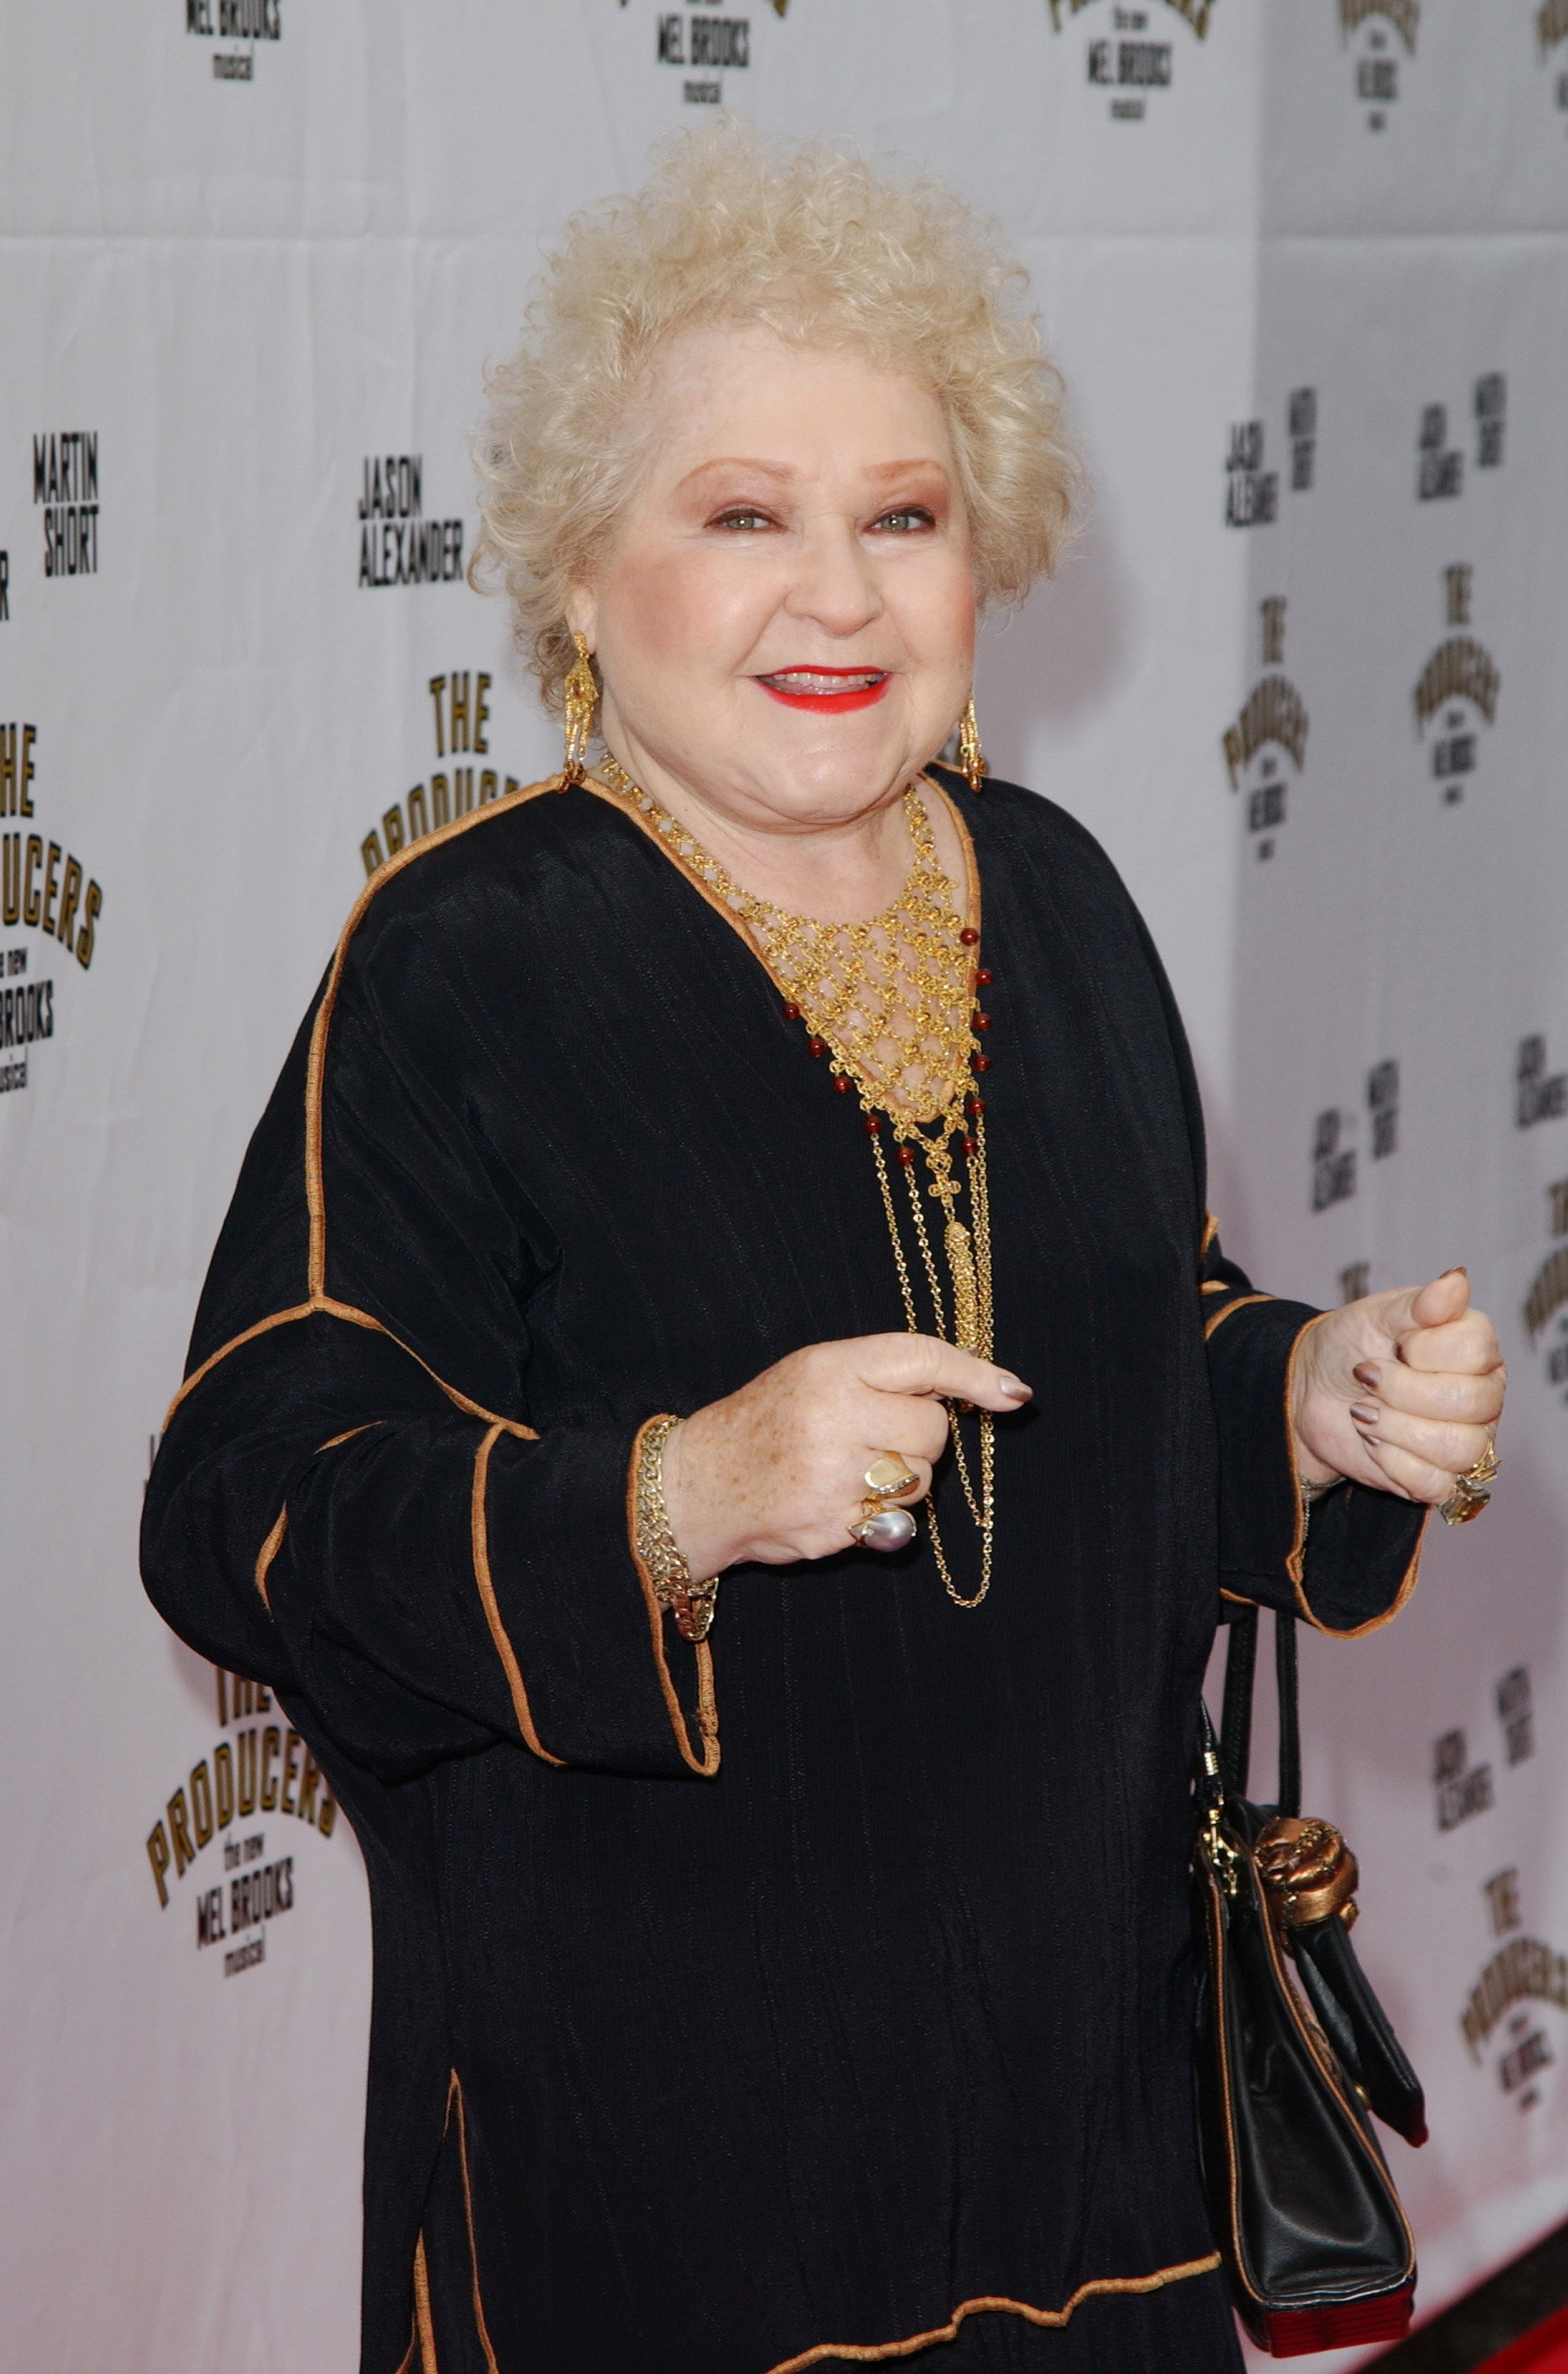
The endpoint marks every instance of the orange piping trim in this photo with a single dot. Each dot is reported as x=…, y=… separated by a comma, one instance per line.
x=706, y=1698
x=347, y=1435
x=1374, y=1623
x=424, y=2323
x=1295, y=1563
x=407, y=2357
x=480, y=1533
x=1211, y=1230
x=1213, y=1286
x=324, y=1306
x=315, y=1196
x=1239, y=1598
x=246, y=1335
x=455, y=2087
x=1239, y=1304
x=348, y=1311
x=1052, y=2318
x=267, y=1552
x=650, y=832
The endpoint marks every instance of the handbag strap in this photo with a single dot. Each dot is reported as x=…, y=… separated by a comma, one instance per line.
x=1235, y=1721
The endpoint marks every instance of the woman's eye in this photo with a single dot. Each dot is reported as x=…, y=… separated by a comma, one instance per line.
x=907, y=517
x=742, y=518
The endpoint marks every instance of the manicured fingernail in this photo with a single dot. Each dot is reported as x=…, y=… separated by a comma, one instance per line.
x=1367, y=1375
x=1014, y=1388
x=1459, y=1270
x=1365, y=1413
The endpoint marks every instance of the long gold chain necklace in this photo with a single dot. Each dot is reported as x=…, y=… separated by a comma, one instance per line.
x=893, y=1004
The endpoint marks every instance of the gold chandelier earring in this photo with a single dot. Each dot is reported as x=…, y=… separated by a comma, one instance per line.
x=580, y=698
x=971, y=758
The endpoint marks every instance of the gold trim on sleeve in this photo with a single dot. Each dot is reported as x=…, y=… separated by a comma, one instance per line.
x=266, y=1554
x=454, y=2093
x=246, y=1335
x=424, y=2323
x=707, y=1699
x=480, y=1531
x=1211, y=1230
x=1053, y=2318
x=1220, y=1317
x=324, y=1307
x=347, y=1435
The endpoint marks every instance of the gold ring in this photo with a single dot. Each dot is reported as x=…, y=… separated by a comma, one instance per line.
x=887, y=1476
x=1470, y=1493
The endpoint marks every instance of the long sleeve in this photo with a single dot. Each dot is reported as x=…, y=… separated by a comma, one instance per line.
x=352, y=1500
x=1355, y=1566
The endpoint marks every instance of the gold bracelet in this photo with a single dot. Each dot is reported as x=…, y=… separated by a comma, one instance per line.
x=691, y=1603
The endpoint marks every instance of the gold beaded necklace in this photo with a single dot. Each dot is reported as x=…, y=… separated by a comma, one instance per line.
x=893, y=1004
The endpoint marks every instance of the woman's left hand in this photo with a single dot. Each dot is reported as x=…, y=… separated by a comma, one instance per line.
x=1401, y=1391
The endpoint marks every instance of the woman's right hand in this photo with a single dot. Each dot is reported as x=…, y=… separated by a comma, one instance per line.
x=776, y=1472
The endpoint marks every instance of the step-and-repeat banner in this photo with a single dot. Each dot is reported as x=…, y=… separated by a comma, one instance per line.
x=1306, y=266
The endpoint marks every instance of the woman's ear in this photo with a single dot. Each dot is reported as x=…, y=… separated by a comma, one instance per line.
x=582, y=615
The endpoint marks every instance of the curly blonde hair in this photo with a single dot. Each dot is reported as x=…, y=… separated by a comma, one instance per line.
x=808, y=238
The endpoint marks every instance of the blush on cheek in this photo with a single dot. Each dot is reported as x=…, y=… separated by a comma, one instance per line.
x=674, y=608
x=956, y=618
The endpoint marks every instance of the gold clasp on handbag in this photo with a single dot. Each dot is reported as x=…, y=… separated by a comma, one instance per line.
x=1216, y=1848
x=1309, y=1871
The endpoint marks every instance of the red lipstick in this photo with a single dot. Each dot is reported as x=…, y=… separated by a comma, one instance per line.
x=810, y=688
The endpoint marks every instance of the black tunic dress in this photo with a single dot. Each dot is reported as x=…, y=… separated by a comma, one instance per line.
x=874, y=2035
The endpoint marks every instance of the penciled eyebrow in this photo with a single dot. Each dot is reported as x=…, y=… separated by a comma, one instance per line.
x=883, y=473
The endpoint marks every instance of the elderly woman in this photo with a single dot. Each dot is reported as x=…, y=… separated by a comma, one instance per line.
x=682, y=1167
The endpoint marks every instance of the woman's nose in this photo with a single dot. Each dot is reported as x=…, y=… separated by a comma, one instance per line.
x=835, y=585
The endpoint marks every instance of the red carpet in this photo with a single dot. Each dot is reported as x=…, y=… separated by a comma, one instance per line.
x=1544, y=2351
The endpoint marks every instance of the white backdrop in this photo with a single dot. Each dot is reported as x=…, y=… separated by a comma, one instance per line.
x=1305, y=265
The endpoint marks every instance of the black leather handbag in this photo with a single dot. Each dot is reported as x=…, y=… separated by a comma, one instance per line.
x=1294, y=2052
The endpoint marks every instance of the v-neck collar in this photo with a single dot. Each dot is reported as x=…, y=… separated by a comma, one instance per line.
x=624, y=805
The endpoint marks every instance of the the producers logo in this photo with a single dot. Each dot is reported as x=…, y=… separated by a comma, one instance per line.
x=1134, y=58
x=248, y=21
x=1502, y=2020
x=1380, y=36
x=1271, y=727
x=65, y=488
x=260, y=1766
x=398, y=546
x=1455, y=693
x=462, y=704
x=1252, y=486
x=46, y=890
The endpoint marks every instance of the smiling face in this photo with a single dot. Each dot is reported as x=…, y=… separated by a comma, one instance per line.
x=784, y=620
